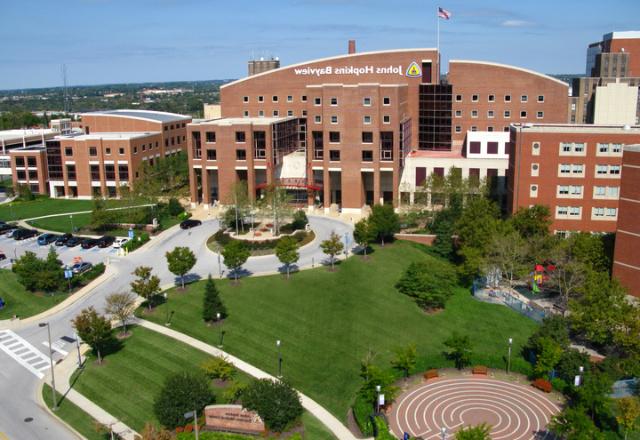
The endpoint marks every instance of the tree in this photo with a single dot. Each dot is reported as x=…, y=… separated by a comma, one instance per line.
x=287, y=251
x=36, y=274
x=430, y=284
x=240, y=202
x=628, y=414
x=593, y=394
x=375, y=376
x=589, y=249
x=570, y=363
x=384, y=222
x=218, y=368
x=276, y=204
x=212, y=302
x=332, y=247
x=478, y=432
x=554, y=327
x=94, y=329
x=277, y=403
x=508, y=252
x=121, y=306
x=569, y=274
x=458, y=350
x=532, y=221
x=364, y=234
x=147, y=285
x=573, y=424
x=549, y=355
x=181, y=393
x=404, y=359
x=300, y=220
x=181, y=260
x=235, y=254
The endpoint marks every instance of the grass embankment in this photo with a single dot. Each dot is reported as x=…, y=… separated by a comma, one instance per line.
x=47, y=206
x=129, y=381
x=328, y=321
x=21, y=302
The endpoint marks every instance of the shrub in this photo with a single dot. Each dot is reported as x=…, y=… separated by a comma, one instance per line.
x=184, y=215
x=559, y=384
x=382, y=430
x=233, y=393
x=181, y=393
x=218, y=368
x=300, y=220
x=277, y=403
x=138, y=240
x=430, y=284
x=362, y=411
x=174, y=208
x=543, y=385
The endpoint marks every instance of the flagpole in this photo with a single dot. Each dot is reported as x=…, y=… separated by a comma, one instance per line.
x=438, y=33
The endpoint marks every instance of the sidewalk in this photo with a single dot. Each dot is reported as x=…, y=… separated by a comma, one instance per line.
x=334, y=425
x=64, y=370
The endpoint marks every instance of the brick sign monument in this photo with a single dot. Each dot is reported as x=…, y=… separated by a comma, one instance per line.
x=233, y=418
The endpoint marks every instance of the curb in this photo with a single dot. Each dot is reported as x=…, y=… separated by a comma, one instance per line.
x=41, y=403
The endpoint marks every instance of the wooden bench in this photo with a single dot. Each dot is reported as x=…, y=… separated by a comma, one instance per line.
x=480, y=369
x=542, y=385
x=431, y=374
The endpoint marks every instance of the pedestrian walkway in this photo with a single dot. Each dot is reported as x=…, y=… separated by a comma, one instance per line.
x=24, y=353
x=332, y=423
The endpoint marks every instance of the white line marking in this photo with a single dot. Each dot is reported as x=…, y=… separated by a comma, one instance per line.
x=41, y=357
x=55, y=348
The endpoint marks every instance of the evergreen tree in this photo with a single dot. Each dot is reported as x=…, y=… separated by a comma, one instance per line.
x=212, y=302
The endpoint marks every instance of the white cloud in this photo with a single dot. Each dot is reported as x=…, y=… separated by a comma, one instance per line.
x=516, y=23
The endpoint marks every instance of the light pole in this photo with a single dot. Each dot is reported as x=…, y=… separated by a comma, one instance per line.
x=279, y=359
x=77, y=338
x=509, y=356
x=71, y=218
x=346, y=244
x=378, y=388
x=218, y=316
x=53, y=377
x=193, y=414
x=443, y=433
x=166, y=305
x=578, y=379
x=219, y=264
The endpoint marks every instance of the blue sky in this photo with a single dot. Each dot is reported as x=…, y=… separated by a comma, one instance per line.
x=116, y=41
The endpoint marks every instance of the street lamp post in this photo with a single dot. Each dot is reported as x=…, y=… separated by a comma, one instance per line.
x=218, y=317
x=166, y=305
x=53, y=377
x=443, y=433
x=71, y=218
x=378, y=388
x=509, y=356
x=346, y=244
x=193, y=414
x=279, y=359
x=219, y=264
x=77, y=338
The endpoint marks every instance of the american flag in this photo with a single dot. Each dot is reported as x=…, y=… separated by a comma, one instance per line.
x=443, y=13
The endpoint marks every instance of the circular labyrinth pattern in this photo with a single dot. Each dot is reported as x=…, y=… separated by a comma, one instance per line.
x=515, y=412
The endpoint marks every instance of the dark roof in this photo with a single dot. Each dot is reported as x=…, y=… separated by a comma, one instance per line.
x=144, y=114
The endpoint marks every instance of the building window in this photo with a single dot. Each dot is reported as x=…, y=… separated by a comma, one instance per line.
x=107, y=151
x=474, y=147
x=366, y=101
x=317, y=101
x=492, y=148
x=334, y=119
x=245, y=99
x=507, y=98
x=289, y=112
x=240, y=136
x=386, y=119
x=334, y=101
x=93, y=151
x=533, y=191
x=489, y=128
x=211, y=154
x=241, y=154
x=135, y=150
x=68, y=151
x=535, y=149
x=303, y=98
x=600, y=191
x=367, y=137
x=276, y=113
x=474, y=98
x=366, y=120
x=458, y=98
x=386, y=101
x=535, y=169
x=540, y=115
x=144, y=146
x=601, y=169
x=612, y=212
x=490, y=114
x=458, y=129
x=121, y=151
x=523, y=114
x=474, y=128
x=304, y=113
x=289, y=98
x=565, y=168
x=367, y=156
x=317, y=119
x=334, y=155
x=474, y=113
x=260, y=98
x=524, y=98
x=507, y=114
x=540, y=98
x=614, y=169
x=458, y=113
x=492, y=98
x=246, y=113
x=261, y=113
x=334, y=137
x=274, y=98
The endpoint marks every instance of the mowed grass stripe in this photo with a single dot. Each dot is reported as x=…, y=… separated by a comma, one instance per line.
x=328, y=321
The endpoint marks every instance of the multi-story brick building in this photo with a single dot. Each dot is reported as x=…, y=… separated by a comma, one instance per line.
x=364, y=122
x=107, y=155
x=575, y=170
x=626, y=258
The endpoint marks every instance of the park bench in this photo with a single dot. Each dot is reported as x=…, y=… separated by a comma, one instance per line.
x=543, y=385
x=480, y=369
x=431, y=374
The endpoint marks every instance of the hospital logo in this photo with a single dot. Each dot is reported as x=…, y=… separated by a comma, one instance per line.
x=414, y=71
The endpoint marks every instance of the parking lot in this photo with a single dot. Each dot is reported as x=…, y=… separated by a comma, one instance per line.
x=15, y=249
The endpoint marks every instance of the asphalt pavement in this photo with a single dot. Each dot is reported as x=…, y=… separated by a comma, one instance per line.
x=21, y=416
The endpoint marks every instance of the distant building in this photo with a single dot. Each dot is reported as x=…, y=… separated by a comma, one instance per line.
x=261, y=65
x=212, y=111
x=616, y=103
x=13, y=139
x=106, y=155
x=626, y=258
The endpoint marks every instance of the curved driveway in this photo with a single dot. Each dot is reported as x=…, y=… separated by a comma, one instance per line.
x=18, y=386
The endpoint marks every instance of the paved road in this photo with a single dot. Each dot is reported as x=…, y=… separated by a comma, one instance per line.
x=18, y=384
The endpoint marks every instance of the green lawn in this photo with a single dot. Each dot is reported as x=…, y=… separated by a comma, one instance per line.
x=74, y=416
x=42, y=206
x=328, y=321
x=139, y=369
x=21, y=302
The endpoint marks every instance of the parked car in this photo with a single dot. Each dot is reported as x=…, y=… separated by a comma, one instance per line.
x=23, y=234
x=47, y=238
x=7, y=228
x=189, y=223
x=119, y=242
x=2, y=256
x=106, y=241
x=80, y=268
x=88, y=243
x=74, y=241
x=63, y=239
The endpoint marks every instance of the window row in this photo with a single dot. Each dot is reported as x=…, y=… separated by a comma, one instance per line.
x=31, y=161
x=609, y=149
x=506, y=114
x=492, y=98
x=458, y=128
x=172, y=127
x=597, y=212
x=366, y=120
x=333, y=101
x=569, y=212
